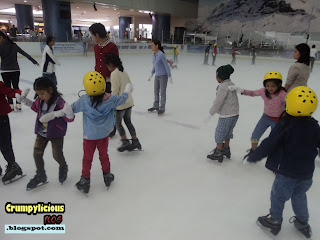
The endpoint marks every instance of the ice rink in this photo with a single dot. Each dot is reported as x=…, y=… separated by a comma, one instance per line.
x=169, y=191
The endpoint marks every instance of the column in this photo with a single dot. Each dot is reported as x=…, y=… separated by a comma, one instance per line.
x=161, y=27
x=124, y=24
x=24, y=16
x=57, y=20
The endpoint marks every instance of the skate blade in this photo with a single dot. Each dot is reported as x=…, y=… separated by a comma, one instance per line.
x=267, y=231
x=215, y=162
x=41, y=184
x=14, y=179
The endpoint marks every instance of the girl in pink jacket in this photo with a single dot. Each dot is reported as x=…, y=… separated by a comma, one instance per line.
x=273, y=95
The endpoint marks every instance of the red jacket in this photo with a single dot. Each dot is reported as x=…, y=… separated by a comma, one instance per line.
x=215, y=51
x=99, y=52
x=234, y=52
x=6, y=91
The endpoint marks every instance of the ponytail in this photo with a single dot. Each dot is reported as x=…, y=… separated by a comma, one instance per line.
x=111, y=58
x=6, y=37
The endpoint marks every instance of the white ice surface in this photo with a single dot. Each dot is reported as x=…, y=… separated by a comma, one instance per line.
x=169, y=191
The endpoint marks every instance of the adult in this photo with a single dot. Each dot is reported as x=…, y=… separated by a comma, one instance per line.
x=10, y=70
x=299, y=72
x=162, y=71
x=313, y=55
x=13, y=31
x=103, y=45
x=214, y=54
x=49, y=61
x=33, y=35
x=206, y=55
x=234, y=53
x=253, y=53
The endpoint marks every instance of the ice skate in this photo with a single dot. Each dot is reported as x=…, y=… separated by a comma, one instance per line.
x=108, y=179
x=12, y=171
x=160, y=112
x=135, y=144
x=216, y=155
x=18, y=106
x=226, y=152
x=84, y=184
x=39, y=179
x=270, y=226
x=153, y=109
x=63, y=173
x=302, y=227
x=125, y=146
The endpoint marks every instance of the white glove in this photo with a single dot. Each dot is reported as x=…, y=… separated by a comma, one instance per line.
x=23, y=97
x=128, y=88
x=235, y=88
x=67, y=110
x=170, y=80
x=207, y=54
x=213, y=55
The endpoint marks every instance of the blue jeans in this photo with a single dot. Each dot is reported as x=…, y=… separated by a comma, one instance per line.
x=160, y=87
x=283, y=189
x=51, y=76
x=261, y=127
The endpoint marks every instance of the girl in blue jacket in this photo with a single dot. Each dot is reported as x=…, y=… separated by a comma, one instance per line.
x=291, y=149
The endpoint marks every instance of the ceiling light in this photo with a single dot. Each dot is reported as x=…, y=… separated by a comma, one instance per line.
x=92, y=20
x=131, y=10
x=25, y=1
x=78, y=7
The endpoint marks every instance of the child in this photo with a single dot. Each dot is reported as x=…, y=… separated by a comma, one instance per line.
x=214, y=54
x=291, y=149
x=253, y=53
x=175, y=53
x=234, y=53
x=48, y=100
x=273, y=95
x=227, y=105
x=119, y=80
x=98, y=121
x=13, y=169
x=206, y=54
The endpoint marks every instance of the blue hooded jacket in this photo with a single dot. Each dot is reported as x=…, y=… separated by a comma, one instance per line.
x=98, y=122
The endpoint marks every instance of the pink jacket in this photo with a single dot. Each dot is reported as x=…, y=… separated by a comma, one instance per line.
x=272, y=107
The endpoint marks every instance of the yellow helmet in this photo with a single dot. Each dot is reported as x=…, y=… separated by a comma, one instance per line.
x=94, y=83
x=301, y=101
x=215, y=44
x=272, y=75
x=175, y=46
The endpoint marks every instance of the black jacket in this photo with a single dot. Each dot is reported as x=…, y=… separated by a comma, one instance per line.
x=291, y=148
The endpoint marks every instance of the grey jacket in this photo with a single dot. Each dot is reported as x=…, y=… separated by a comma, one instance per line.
x=298, y=75
x=226, y=102
x=8, y=54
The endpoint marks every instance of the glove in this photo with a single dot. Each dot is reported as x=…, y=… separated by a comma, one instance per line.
x=207, y=54
x=170, y=80
x=128, y=88
x=23, y=97
x=235, y=88
x=68, y=112
x=213, y=55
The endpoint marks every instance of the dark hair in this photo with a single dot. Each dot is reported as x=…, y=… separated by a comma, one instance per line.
x=313, y=46
x=49, y=39
x=114, y=60
x=278, y=83
x=304, y=51
x=157, y=42
x=44, y=83
x=98, y=28
x=2, y=34
x=96, y=100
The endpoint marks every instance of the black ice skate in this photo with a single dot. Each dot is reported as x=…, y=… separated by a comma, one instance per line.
x=160, y=112
x=216, y=155
x=269, y=225
x=153, y=109
x=303, y=227
x=84, y=184
x=135, y=144
x=125, y=146
x=226, y=152
x=12, y=171
x=38, y=180
x=249, y=151
x=108, y=179
x=63, y=173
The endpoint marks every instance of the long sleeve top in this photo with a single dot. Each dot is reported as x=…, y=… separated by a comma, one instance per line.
x=298, y=75
x=273, y=107
x=48, y=60
x=8, y=54
x=160, y=64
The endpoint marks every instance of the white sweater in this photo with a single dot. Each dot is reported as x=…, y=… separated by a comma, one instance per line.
x=48, y=60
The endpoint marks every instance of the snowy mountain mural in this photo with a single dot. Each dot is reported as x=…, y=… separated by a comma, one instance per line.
x=258, y=15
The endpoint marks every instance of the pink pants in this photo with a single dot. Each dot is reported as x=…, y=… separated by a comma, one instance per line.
x=89, y=147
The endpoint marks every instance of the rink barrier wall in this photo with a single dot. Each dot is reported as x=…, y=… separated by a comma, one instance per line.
x=77, y=49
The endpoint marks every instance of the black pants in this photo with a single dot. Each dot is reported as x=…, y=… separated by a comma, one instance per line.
x=5, y=139
x=125, y=114
x=213, y=60
x=206, y=58
x=11, y=79
x=254, y=60
x=312, y=59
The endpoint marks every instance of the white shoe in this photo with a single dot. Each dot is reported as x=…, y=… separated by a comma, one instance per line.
x=18, y=106
x=12, y=107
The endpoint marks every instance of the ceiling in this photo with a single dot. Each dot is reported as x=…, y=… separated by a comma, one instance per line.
x=82, y=12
